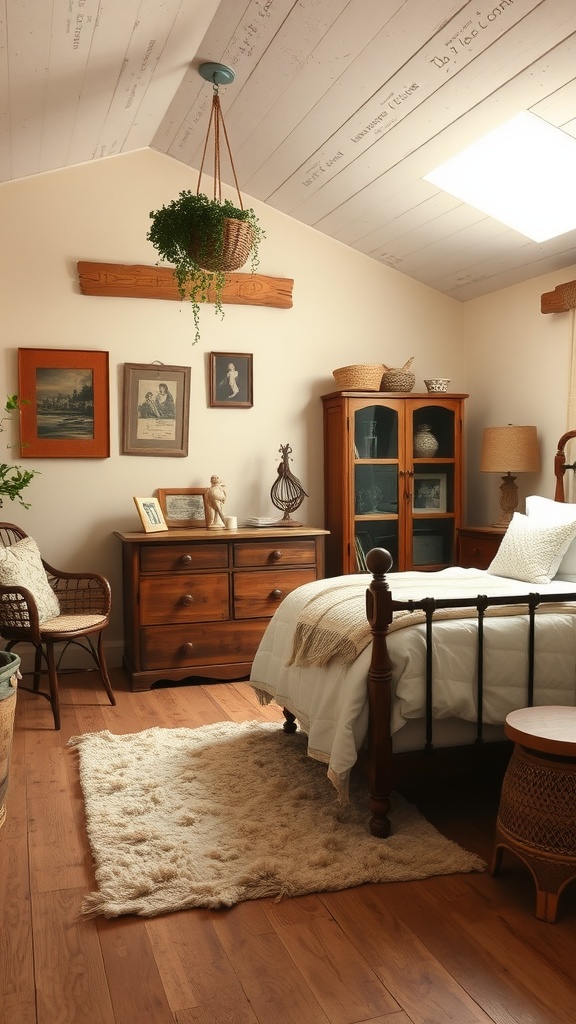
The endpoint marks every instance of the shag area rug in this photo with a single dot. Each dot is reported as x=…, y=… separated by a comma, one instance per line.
x=208, y=817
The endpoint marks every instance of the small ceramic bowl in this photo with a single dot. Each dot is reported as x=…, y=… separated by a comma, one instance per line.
x=437, y=383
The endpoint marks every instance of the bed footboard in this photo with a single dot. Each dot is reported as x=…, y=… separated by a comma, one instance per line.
x=379, y=759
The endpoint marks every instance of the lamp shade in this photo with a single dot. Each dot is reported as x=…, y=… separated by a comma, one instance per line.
x=510, y=449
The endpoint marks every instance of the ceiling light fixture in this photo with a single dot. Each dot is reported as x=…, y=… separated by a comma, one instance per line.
x=522, y=174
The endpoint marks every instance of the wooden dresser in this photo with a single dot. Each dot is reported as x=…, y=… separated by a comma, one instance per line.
x=197, y=602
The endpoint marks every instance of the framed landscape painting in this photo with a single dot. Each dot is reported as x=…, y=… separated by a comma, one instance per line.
x=64, y=404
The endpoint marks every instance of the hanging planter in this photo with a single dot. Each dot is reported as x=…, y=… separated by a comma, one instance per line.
x=206, y=238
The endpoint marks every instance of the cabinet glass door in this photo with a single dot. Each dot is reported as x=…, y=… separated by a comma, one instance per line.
x=376, y=482
x=432, y=521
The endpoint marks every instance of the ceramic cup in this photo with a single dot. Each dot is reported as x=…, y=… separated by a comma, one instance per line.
x=231, y=522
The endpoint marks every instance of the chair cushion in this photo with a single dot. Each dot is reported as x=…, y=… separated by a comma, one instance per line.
x=72, y=623
x=21, y=565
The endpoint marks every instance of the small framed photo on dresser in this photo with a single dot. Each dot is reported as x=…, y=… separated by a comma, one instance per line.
x=151, y=515
x=183, y=507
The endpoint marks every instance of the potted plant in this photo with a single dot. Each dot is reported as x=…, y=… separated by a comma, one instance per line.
x=13, y=479
x=204, y=239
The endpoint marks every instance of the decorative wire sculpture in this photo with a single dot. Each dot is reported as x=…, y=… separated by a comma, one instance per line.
x=287, y=493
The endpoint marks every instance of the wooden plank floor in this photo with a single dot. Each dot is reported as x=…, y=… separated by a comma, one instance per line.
x=465, y=949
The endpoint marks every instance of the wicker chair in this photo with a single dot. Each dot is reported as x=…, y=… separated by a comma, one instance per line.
x=84, y=601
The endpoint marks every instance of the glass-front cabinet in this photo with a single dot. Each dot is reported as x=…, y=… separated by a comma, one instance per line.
x=393, y=478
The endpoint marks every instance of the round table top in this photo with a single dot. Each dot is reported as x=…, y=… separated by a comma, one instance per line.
x=551, y=729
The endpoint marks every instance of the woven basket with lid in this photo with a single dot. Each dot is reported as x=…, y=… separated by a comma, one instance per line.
x=359, y=377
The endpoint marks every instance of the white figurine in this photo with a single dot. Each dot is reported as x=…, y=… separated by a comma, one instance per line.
x=215, y=498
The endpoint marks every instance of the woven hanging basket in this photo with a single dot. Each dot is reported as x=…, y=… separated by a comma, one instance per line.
x=238, y=241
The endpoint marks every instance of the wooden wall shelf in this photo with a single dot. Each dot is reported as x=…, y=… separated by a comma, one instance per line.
x=144, y=282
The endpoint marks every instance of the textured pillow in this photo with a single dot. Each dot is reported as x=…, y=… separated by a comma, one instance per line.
x=530, y=551
x=21, y=565
x=548, y=512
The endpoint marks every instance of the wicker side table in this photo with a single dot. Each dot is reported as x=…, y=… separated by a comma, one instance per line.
x=536, y=817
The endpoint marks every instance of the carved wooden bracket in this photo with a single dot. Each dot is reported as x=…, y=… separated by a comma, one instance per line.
x=560, y=300
x=142, y=282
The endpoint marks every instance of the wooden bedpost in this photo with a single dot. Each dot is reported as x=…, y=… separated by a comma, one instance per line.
x=379, y=615
x=560, y=466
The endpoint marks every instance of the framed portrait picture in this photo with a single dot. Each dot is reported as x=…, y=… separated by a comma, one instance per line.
x=231, y=380
x=429, y=493
x=183, y=507
x=155, y=409
x=151, y=514
x=64, y=410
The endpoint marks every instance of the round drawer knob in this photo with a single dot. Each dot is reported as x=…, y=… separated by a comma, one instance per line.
x=276, y=555
x=188, y=648
x=276, y=594
x=187, y=599
x=186, y=560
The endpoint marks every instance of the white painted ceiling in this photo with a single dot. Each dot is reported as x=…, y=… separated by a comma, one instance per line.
x=338, y=109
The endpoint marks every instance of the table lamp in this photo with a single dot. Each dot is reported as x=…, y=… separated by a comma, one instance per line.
x=509, y=450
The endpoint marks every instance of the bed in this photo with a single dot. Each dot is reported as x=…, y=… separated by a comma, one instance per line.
x=407, y=671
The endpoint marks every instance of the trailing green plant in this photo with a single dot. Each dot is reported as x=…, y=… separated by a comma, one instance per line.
x=13, y=479
x=194, y=216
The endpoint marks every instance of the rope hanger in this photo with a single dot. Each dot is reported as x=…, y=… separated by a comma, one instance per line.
x=217, y=74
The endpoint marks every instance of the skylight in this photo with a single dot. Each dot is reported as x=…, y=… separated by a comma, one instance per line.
x=523, y=174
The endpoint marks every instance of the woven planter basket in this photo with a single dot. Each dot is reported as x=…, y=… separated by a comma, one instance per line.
x=398, y=378
x=238, y=241
x=360, y=377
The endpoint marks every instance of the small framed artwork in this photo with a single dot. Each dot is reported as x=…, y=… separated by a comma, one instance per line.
x=155, y=409
x=231, y=380
x=64, y=411
x=429, y=494
x=151, y=514
x=183, y=507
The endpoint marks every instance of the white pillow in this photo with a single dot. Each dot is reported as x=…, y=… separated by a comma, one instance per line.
x=21, y=565
x=530, y=551
x=549, y=513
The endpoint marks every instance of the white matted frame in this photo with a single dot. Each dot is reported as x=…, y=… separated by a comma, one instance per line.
x=429, y=493
x=183, y=507
x=151, y=514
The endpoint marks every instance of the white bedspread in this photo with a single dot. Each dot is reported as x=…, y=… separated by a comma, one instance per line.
x=331, y=703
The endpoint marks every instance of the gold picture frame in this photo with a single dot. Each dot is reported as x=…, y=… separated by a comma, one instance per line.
x=151, y=515
x=184, y=508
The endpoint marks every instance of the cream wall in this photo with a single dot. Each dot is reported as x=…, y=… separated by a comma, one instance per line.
x=347, y=309
x=517, y=371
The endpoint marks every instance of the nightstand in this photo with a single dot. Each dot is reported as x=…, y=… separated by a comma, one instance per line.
x=477, y=545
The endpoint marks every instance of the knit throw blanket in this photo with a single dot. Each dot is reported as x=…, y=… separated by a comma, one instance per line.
x=332, y=626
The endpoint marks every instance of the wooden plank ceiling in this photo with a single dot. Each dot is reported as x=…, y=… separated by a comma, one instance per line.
x=338, y=109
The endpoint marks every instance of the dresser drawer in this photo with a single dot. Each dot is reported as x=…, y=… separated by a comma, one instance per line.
x=476, y=549
x=274, y=552
x=260, y=593
x=184, y=598
x=181, y=557
x=211, y=643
